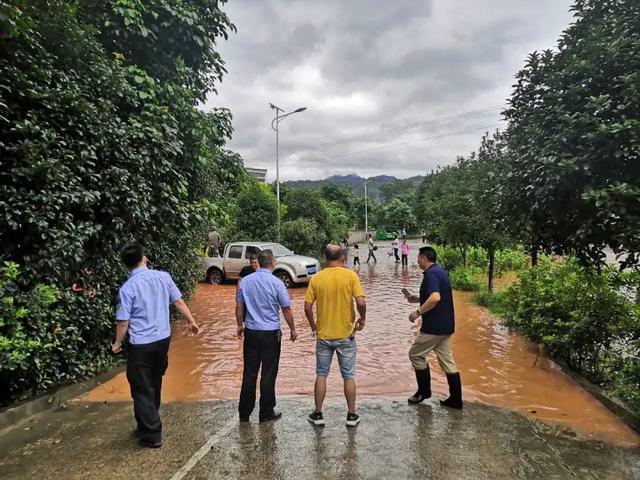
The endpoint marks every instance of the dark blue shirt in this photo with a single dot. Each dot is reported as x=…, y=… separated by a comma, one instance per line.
x=440, y=319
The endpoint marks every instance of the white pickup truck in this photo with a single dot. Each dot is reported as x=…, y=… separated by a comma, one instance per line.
x=291, y=269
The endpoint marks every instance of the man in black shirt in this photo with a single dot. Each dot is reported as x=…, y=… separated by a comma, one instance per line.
x=248, y=269
x=438, y=324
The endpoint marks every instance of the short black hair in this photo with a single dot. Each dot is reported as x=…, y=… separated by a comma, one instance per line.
x=332, y=252
x=265, y=258
x=253, y=257
x=429, y=253
x=132, y=255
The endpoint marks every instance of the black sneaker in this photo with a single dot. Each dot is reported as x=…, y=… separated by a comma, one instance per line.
x=317, y=419
x=353, y=419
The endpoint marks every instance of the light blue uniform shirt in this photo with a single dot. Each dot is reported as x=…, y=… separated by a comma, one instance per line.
x=144, y=301
x=263, y=295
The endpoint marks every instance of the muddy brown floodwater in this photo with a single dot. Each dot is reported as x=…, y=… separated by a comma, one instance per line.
x=498, y=367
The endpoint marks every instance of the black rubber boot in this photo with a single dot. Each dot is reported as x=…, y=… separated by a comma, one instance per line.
x=423, y=377
x=455, y=391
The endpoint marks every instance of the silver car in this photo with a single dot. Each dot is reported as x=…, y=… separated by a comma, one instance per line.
x=291, y=269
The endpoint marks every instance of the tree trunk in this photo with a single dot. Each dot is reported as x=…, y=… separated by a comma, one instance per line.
x=463, y=251
x=534, y=256
x=492, y=257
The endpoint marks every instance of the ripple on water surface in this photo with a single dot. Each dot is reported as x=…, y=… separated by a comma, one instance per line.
x=497, y=367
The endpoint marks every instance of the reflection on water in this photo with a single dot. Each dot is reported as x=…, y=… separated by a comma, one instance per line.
x=497, y=367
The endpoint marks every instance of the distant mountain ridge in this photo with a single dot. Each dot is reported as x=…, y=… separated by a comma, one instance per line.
x=353, y=181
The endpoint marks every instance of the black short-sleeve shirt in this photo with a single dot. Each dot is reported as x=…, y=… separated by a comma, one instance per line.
x=246, y=270
x=440, y=319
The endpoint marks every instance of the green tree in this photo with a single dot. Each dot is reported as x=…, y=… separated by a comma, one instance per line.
x=574, y=134
x=302, y=236
x=255, y=215
x=102, y=143
x=398, y=214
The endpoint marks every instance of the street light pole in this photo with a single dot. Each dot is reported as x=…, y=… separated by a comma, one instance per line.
x=366, y=212
x=274, y=125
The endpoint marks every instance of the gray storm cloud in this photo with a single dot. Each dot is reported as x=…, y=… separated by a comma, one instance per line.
x=379, y=71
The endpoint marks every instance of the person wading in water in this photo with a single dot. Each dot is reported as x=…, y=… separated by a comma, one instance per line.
x=438, y=324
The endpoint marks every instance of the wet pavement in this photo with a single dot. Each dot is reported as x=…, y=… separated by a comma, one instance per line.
x=523, y=418
x=203, y=440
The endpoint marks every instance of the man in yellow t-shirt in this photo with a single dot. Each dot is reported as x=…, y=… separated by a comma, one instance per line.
x=333, y=291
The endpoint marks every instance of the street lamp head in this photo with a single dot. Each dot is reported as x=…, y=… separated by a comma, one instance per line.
x=301, y=109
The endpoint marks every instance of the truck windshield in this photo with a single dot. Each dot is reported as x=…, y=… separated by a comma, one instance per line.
x=278, y=250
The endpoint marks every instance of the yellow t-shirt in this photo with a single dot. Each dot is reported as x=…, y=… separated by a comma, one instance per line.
x=333, y=290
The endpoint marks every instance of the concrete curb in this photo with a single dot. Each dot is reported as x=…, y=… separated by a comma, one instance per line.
x=617, y=406
x=13, y=415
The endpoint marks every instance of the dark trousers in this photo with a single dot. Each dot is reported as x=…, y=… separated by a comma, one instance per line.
x=261, y=348
x=395, y=252
x=405, y=259
x=356, y=261
x=146, y=365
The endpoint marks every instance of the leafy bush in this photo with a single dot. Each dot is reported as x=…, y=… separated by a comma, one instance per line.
x=102, y=144
x=255, y=215
x=581, y=318
x=466, y=279
x=302, y=236
x=48, y=336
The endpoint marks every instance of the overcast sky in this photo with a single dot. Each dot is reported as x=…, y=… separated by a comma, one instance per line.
x=391, y=72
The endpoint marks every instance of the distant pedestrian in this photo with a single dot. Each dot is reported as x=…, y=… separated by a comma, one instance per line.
x=372, y=249
x=263, y=295
x=333, y=291
x=143, y=311
x=404, y=248
x=344, y=245
x=403, y=233
x=438, y=324
x=396, y=246
x=424, y=236
x=356, y=255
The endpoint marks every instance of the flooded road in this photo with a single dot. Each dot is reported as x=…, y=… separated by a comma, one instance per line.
x=497, y=367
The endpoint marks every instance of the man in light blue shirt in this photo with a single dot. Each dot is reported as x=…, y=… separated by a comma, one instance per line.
x=262, y=296
x=143, y=311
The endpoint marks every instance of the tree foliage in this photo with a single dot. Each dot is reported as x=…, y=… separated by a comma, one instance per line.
x=101, y=144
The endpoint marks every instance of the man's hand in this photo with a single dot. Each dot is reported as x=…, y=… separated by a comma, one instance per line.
x=193, y=329
x=294, y=335
x=360, y=324
x=240, y=332
x=414, y=316
x=116, y=347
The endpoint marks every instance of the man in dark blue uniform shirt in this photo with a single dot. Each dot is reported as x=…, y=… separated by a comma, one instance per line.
x=438, y=324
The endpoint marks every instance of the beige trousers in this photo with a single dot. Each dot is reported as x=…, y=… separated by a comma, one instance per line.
x=424, y=343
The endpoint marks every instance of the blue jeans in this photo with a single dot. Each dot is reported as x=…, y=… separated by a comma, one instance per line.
x=346, y=350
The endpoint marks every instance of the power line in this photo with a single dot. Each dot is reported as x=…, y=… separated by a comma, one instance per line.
x=302, y=162
x=456, y=116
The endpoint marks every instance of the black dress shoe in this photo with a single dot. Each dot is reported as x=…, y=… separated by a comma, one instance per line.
x=269, y=418
x=149, y=443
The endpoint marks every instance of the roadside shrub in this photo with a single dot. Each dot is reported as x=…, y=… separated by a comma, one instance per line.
x=623, y=368
x=575, y=313
x=510, y=259
x=493, y=301
x=48, y=336
x=466, y=279
x=302, y=236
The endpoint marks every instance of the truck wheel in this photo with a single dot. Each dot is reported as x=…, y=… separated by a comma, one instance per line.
x=284, y=277
x=214, y=276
